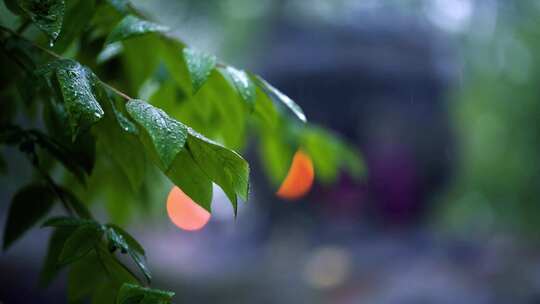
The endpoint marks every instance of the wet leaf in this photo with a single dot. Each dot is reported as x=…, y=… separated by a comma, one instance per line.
x=132, y=26
x=223, y=166
x=199, y=66
x=84, y=239
x=167, y=135
x=77, y=84
x=130, y=293
x=243, y=84
x=127, y=244
x=280, y=98
x=48, y=15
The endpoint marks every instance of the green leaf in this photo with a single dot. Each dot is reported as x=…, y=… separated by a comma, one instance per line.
x=72, y=163
x=130, y=293
x=116, y=239
x=84, y=276
x=117, y=135
x=117, y=272
x=167, y=135
x=280, y=98
x=171, y=52
x=243, y=84
x=50, y=266
x=131, y=242
x=48, y=15
x=105, y=293
x=199, y=66
x=77, y=84
x=132, y=26
x=84, y=239
x=77, y=17
x=330, y=154
x=28, y=206
x=189, y=176
x=223, y=166
x=276, y=156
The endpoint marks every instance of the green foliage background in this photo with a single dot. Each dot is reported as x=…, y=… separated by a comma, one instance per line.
x=66, y=64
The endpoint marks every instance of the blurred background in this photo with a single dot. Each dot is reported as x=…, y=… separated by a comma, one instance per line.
x=441, y=99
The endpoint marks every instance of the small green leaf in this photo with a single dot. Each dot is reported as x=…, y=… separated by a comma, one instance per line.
x=199, y=66
x=132, y=26
x=189, y=176
x=77, y=84
x=78, y=15
x=61, y=154
x=223, y=166
x=330, y=154
x=117, y=272
x=132, y=243
x=135, y=251
x=130, y=294
x=56, y=243
x=167, y=135
x=84, y=239
x=48, y=15
x=84, y=276
x=280, y=98
x=243, y=84
x=105, y=293
x=28, y=206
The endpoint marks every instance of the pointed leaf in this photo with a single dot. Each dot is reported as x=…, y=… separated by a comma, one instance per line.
x=132, y=26
x=280, y=98
x=61, y=154
x=167, y=135
x=28, y=206
x=116, y=239
x=77, y=85
x=56, y=243
x=84, y=276
x=130, y=293
x=80, y=243
x=48, y=15
x=243, y=84
x=189, y=176
x=223, y=166
x=199, y=66
x=78, y=15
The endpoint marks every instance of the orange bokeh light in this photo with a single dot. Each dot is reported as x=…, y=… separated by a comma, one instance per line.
x=299, y=180
x=184, y=212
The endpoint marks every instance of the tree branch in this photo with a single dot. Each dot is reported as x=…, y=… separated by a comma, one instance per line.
x=57, y=56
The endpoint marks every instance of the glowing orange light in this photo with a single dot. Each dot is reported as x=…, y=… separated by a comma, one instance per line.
x=184, y=212
x=299, y=179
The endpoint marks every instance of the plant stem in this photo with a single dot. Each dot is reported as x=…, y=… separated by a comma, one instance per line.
x=23, y=26
x=57, y=56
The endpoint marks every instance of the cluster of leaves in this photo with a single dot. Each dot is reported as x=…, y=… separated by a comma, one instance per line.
x=190, y=114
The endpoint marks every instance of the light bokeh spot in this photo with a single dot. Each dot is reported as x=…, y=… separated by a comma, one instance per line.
x=184, y=212
x=299, y=179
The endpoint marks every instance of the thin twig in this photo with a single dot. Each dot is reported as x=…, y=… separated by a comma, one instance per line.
x=23, y=26
x=57, y=56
